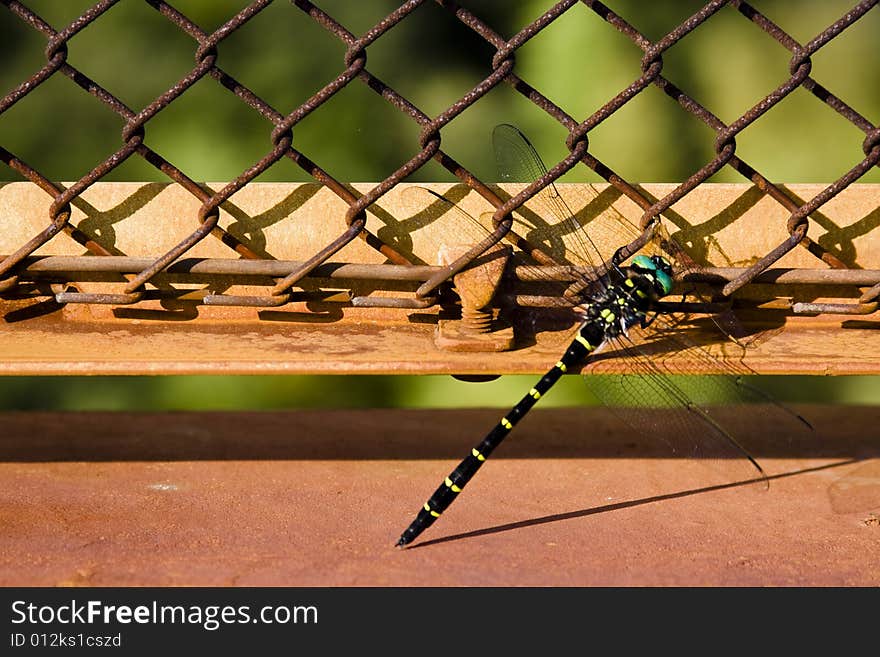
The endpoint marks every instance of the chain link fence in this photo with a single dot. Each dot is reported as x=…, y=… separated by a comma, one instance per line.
x=20, y=269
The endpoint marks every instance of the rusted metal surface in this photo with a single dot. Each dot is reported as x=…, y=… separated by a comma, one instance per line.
x=283, y=343
x=321, y=328
x=723, y=224
x=182, y=499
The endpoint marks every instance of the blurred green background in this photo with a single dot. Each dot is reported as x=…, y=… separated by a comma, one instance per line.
x=282, y=55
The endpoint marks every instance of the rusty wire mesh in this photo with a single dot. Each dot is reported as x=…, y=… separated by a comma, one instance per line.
x=353, y=70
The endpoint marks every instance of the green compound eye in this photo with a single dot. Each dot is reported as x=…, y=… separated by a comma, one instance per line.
x=665, y=281
x=644, y=262
x=658, y=267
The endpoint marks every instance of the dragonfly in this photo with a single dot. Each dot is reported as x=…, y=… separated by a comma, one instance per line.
x=615, y=306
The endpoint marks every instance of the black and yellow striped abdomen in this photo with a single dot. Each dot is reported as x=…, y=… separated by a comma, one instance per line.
x=574, y=356
x=607, y=315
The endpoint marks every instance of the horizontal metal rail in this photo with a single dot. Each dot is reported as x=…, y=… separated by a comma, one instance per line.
x=71, y=268
x=194, y=270
x=368, y=308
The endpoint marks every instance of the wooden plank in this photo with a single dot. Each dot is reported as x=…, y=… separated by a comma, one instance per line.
x=298, y=498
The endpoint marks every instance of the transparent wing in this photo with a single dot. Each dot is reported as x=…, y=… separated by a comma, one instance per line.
x=710, y=418
x=595, y=233
x=462, y=229
x=457, y=226
x=597, y=230
x=554, y=224
x=720, y=419
x=592, y=236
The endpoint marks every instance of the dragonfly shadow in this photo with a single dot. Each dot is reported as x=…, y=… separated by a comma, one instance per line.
x=617, y=506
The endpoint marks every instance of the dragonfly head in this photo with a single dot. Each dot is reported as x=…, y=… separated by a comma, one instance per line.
x=659, y=268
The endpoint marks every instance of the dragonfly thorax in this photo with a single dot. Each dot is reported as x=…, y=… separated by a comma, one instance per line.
x=622, y=304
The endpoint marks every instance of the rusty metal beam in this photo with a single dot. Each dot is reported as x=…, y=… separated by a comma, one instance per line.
x=319, y=331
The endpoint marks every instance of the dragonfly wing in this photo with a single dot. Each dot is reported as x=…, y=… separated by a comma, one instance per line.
x=723, y=417
x=668, y=425
x=554, y=224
